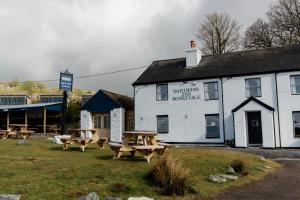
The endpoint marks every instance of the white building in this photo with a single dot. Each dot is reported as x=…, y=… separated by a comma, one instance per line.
x=110, y=114
x=249, y=97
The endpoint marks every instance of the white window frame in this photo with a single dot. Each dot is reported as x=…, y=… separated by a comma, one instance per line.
x=159, y=94
x=217, y=125
x=294, y=121
x=168, y=124
x=248, y=88
x=293, y=85
x=215, y=91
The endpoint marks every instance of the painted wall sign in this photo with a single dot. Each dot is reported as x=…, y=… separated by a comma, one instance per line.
x=182, y=94
x=66, y=81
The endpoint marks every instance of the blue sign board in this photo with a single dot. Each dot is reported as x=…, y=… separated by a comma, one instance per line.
x=66, y=81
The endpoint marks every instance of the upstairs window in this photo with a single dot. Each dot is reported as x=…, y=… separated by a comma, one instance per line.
x=212, y=126
x=162, y=124
x=296, y=119
x=253, y=87
x=162, y=92
x=295, y=84
x=211, y=91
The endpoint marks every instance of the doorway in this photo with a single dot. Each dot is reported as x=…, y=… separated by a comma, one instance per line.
x=254, y=128
x=101, y=123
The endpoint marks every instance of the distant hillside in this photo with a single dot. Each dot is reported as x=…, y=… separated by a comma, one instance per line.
x=33, y=89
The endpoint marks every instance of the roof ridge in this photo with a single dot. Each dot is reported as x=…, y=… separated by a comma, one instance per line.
x=169, y=59
x=116, y=93
x=251, y=50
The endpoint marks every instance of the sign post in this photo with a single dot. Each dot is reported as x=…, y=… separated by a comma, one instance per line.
x=66, y=85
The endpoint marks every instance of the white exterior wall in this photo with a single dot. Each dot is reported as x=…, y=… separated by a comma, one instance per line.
x=241, y=125
x=235, y=93
x=86, y=121
x=117, y=124
x=287, y=104
x=186, y=117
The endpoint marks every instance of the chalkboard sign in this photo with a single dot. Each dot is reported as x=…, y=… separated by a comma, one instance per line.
x=66, y=81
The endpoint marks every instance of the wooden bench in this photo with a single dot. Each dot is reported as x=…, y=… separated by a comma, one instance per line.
x=67, y=142
x=82, y=142
x=3, y=135
x=119, y=149
x=102, y=141
x=166, y=147
x=148, y=151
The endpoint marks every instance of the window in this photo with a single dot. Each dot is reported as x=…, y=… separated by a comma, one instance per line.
x=253, y=87
x=296, y=119
x=295, y=84
x=97, y=121
x=106, y=121
x=211, y=91
x=212, y=126
x=162, y=124
x=162, y=92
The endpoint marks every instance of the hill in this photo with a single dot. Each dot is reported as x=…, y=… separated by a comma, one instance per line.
x=34, y=89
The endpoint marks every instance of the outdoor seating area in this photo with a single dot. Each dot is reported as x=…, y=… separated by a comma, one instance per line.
x=79, y=137
x=15, y=130
x=143, y=142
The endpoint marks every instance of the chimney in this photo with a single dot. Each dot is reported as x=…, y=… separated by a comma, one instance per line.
x=193, y=56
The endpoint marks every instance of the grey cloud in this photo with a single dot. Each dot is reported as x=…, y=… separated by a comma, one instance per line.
x=41, y=38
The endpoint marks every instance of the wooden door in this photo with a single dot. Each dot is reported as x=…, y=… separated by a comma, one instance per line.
x=101, y=123
x=254, y=128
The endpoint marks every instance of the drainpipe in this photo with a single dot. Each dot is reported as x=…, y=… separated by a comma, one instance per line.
x=223, y=109
x=278, y=115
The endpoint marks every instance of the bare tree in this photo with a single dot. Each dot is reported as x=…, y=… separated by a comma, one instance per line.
x=258, y=35
x=219, y=33
x=284, y=18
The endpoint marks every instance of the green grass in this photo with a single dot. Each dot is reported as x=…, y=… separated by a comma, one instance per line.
x=41, y=170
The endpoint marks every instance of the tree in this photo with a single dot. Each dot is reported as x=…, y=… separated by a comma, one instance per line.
x=258, y=35
x=284, y=18
x=219, y=34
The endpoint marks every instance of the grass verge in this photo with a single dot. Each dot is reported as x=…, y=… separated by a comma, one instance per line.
x=41, y=170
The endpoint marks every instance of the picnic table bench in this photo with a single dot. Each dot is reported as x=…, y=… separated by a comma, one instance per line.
x=25, y=134
x=144, y=142
x=83, y=141
x=148, y=151
x=4, y=134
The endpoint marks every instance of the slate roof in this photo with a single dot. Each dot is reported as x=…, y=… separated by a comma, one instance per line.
x=241, y=63
x=105, y=101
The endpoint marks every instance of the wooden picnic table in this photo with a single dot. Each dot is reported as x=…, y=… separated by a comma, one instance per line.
x=144, y=142
x=83, y=141
x=25, y=134
x=22, y=127
x=3, y=135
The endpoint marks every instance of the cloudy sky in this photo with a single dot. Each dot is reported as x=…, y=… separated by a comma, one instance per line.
x=38, y=39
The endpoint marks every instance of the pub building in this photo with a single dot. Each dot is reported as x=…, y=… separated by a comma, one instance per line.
x=249, y=97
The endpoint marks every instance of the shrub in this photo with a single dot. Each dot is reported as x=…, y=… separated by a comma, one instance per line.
x=238, y=166
x=170, y=175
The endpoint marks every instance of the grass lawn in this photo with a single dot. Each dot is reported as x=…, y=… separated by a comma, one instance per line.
x=41, y=170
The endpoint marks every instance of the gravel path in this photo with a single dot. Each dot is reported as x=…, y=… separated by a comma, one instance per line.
x=280, y=185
